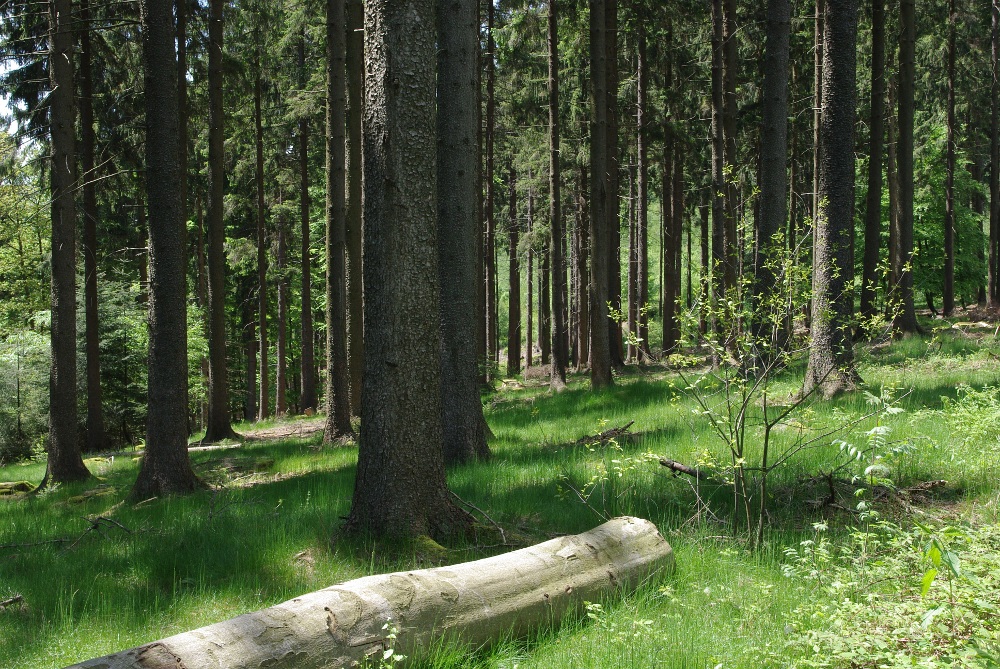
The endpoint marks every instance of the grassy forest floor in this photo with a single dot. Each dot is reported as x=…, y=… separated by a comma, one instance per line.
x=910, y=579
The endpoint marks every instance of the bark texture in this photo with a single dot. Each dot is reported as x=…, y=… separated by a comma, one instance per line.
x=338, y=401
x=355, y=295
x=458, y=228
x=992, y=292
x=219, y=425
x=876, y=129
x=64, y=460
x=906, y=317
x=400, y=486
x=476, y=602
x=307, y=394
x=600, y=341
x=831, y=357
x=513, y=280
x=165, y=467
x=560, y=331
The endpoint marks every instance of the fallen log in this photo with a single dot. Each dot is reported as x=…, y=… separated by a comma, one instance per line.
x=681, y=468
x=606, y=436
x=473, y=602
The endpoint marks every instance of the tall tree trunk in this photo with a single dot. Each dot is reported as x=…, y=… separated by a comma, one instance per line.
x=529, y=339
x=892, y=187
x=165, y=467
x=560, y=331
x=632, y=282
x=600, y=341
x=95, y=416
x=219, y=424
x=906, y=317
x=281, y=346
x=338, y=401
x=582, y=272
x=831, y=358
x=948, y=296
x=718, y=174
x=249, y=330
x=817, y=104
x=677, y=223
x=993, y=296
x=669, y=243
x=611, y=203
x=458, y=45
x=642, y=189
x=489, y=249
x=264, y=408
x=706, y=282
x=307, y=391
x=400, y=487
x=64, y=461
x=873, y=201
x=730, y=54
x=355, y=296
x=772, y=212
x=514, y=282
x=545, y=302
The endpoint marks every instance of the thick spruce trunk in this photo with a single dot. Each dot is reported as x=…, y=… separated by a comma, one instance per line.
x=560, y=331
x=355, y=296
x=906, y=317
x=307, y=371
x=513, y=281
x=876, y=129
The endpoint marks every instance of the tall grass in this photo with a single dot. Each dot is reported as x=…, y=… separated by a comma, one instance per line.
x=269, y=529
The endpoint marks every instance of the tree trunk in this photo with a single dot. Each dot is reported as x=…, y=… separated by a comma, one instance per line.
x=948, y=296
x=355, y=296
x=165, y=467
x=307, y=392
x=611, y=203
x=730, y=55
x=64, y=461
x=249, y=329
x=219, y=425
x=873, y=201
x=906, y=316
x=281, y=347
x=817, y=104
x=400, y=487
x=993, y=296
x=514, y=282
x=582, y=271
x=338, y=401
x=264, y=409
x=529, y=340
x=458, y=45
x=491, y=224
x=545, y=302
x=632, y=282
x=706, y=282
x=642, y=189
x=600, y=340
x=477, y=602
x=669, y=243
x=831, y=358
x=892, y=187
x=95, y=416
x=560, y=331
x=677, y=222
x=718, y=175
x=772, y=211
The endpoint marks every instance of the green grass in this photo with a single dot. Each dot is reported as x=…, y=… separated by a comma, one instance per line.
x=268, y=532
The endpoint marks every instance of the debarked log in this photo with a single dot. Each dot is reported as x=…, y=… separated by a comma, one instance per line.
x=474, y=603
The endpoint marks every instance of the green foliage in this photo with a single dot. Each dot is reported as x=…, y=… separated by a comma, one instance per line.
x=975, y=415
x=24, y=399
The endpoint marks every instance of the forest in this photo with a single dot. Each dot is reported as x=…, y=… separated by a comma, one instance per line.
x=316, y=292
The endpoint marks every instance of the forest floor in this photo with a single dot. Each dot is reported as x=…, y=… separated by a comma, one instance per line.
x=881, y=545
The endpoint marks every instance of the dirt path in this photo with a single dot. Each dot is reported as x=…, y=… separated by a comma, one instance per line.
x=297, y=428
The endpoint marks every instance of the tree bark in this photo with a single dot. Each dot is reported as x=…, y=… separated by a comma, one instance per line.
x=669, y=243
x=165, y=467
x=600, y=340
x=730, y=56
x=400, y=487
x=993, y=296
x=263, y=405
x=458, y=46
x=477, y=602
x=281, y=346
x=545, y=301
x=529, y=340
x=772, y=212
x=65, y=463
x=307, y=391
x=219, y=424
x=677, y=223
x=95, y=416
x=338, y=402
x=489, y=250
x=611, y=203
x=948, y=296
x=514, y=281
x=817, y=104
x=355, y=296
x=831, y=358
x=582, y=271
x=642, y=188
x=718, y=175
x=906, y=317
x=560, y=331
x=873, y=200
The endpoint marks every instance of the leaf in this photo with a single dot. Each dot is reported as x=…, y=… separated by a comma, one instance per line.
x=928, y=579
x=931, y=615
x=386, y=654
x=952, y=562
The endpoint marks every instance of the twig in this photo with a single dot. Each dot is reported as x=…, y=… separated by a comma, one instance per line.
x=606, y=436
x=16, y=599
x=36, y=543
x=95, y=525
x=690, y=471
x=485, y=515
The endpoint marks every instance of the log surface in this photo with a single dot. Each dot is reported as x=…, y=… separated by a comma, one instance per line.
x=475, y=602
